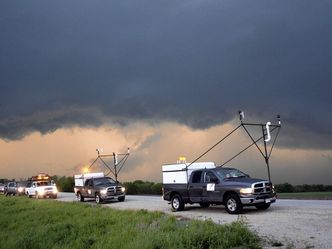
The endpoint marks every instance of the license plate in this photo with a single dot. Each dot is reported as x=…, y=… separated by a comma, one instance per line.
x=267, y=200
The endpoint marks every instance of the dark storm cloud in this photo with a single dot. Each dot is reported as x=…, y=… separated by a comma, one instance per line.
x=65, y=63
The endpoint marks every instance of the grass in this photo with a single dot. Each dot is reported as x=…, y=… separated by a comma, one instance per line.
x=29, y=223
x=306, y=195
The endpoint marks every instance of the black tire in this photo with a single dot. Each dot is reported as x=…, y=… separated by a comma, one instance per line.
x=54, y=196
x=177, y=203
x=263, y=206
x=233, y=204
x=98, y=198
x=122, y=198
x=204, y=204
x=80, y=197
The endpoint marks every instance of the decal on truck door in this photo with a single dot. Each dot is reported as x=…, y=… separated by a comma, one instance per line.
x=211, y=187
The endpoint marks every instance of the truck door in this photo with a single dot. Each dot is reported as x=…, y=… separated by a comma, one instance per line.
x=32, y=190
x=196, y=186
x=212, y=191
x=88, y=188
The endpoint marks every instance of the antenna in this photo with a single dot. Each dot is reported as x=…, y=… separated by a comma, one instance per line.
x=267, y=129
x=241, y=114
x=115, y=170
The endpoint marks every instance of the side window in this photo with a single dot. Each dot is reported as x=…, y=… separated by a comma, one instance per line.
x=197, y=177
x=87, y=182
x=210, y=177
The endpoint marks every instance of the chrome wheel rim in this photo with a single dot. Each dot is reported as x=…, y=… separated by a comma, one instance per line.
x=176, y=203
x=231, y=205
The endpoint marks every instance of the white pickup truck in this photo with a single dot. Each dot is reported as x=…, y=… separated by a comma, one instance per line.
x=41, y=189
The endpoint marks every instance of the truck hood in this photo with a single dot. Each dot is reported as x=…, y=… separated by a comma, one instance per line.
x=243, y=181
x=107, y=185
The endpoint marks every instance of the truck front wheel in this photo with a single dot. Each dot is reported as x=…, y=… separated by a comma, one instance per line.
x=98, y=199
x=177, y=203
x=233, y=204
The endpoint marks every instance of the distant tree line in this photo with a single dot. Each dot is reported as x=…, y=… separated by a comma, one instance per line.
x=139, y=187
x=64, y=183
x=289, y=188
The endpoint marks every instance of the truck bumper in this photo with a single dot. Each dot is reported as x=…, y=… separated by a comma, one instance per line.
x=253, y=200
x=110, y=197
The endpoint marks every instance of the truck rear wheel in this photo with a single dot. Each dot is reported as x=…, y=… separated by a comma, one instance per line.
x=98, y=199
x=177, y=203
x=233, y=204
x=80, y=197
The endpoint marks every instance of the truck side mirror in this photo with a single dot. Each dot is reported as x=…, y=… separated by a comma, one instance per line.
x=214, y=180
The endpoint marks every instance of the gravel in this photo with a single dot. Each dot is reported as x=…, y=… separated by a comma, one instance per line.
x=286, y=224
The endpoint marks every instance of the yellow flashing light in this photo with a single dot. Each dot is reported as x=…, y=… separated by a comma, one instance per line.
x=182, y=159
x=86, y=169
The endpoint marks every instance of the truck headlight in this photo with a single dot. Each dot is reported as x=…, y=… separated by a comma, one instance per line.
x=103, y=191
x=20, y=189
x=123, y=189
x=246, y=190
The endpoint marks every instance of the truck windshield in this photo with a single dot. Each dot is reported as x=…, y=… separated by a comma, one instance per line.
x=43, y=184
x=226, y=173
x=103, y=181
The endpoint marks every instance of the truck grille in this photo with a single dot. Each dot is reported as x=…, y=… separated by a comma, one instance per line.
x=262, y=187
x=114, y=190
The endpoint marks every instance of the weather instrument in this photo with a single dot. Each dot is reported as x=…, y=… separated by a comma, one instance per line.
x=267, y=129
x=119, y=161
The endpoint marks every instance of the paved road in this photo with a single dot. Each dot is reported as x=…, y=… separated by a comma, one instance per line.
x=294, y=223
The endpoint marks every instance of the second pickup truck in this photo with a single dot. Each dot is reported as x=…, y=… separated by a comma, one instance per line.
x=98, y=187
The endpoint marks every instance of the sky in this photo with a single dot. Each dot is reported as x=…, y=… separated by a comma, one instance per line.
x=165, y=78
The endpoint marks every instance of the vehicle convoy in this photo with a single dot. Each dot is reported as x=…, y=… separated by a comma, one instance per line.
x=41, y=186
x=206, y=184
x=98, y=187
x=14, y=188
